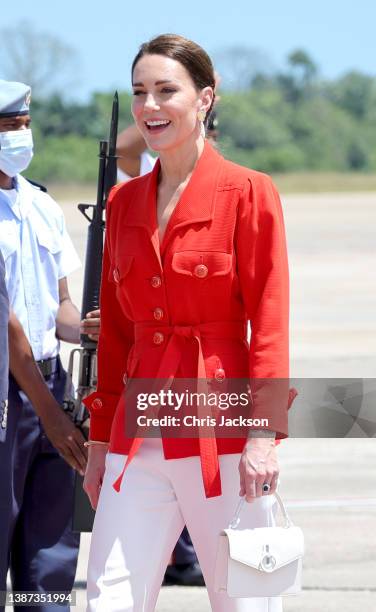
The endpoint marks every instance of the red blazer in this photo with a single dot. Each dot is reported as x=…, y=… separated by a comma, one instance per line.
x=181, y=308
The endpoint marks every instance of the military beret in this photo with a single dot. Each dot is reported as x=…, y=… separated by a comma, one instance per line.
x=14, y=98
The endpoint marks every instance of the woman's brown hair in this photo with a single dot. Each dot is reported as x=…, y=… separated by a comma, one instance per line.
x=193, y=57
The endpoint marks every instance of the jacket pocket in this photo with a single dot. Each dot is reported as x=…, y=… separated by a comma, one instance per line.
x=228, y=364
x=48, y=240
x=202, y=264
x=120, y=268
x=8, y=245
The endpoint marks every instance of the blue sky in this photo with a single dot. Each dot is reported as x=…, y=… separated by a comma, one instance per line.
x=338, y=34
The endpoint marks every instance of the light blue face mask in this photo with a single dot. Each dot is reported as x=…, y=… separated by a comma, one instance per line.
x=16, y=151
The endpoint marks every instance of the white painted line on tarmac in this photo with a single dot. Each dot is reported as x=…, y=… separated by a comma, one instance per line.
x=332, y=503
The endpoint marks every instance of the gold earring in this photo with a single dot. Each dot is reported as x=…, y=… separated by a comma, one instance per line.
x=201, y=115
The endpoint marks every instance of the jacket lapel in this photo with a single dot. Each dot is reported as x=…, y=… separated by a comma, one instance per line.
x=196, y=204
x=142, y=211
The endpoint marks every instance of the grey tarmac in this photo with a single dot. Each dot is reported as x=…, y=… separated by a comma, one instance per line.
x=329, y=485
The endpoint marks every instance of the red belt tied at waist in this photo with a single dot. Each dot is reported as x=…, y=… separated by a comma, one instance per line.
x=167, y=370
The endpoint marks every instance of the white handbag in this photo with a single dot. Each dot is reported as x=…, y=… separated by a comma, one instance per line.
x=259, y=562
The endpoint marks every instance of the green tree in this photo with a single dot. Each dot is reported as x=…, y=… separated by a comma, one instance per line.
x=354, y=92
x=274, y=125
x=299, y=79
x=302, y=66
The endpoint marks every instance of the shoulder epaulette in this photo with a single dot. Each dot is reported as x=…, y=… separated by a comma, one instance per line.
x=38, y=185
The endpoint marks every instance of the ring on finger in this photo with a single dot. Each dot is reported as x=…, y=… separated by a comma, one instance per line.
x=266, y=488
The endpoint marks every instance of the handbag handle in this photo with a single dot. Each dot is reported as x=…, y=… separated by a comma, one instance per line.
x=236, y=518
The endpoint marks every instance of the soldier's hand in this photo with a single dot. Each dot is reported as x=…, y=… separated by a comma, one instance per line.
x=91, y=325
x=66, y=438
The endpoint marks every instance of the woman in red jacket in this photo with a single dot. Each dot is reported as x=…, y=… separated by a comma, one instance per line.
x=194, y=250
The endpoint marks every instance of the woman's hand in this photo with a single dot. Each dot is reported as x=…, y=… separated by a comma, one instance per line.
x=95, y=472
x=258, y=465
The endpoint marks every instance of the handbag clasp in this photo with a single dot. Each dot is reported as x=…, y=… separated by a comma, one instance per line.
x=268, y=562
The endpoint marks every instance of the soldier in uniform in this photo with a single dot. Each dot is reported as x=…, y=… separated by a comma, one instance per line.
x=4, y=314
x=41, y=445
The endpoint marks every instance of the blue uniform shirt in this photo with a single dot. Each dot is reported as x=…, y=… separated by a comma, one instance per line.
x=38, y=253
x=4, y=315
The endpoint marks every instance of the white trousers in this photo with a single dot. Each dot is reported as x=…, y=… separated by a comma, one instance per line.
x=135, y=531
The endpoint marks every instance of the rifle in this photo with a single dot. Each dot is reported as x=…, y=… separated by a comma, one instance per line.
x=87, y=355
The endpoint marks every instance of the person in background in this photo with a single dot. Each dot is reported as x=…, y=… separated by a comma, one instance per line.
x=41, y=447
x=133, y=157
x=4, y=361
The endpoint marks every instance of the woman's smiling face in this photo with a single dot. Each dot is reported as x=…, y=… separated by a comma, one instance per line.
x=166, y=102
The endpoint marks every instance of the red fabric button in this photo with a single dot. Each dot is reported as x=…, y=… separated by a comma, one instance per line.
x=97, y=403
x=156, y=281
x=116, y=275
x=201, y=271
x=220, y=374
x=158, y=314
x=158, y=338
